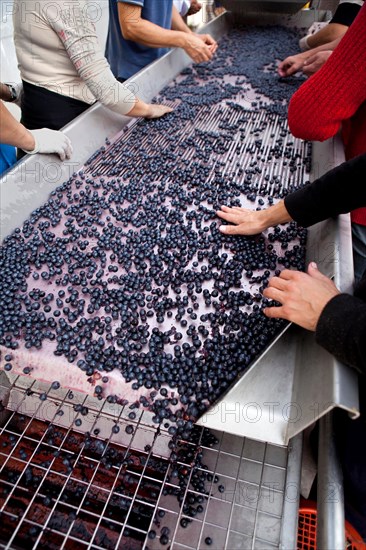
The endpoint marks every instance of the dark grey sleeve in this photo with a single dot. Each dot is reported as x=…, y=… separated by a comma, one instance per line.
x=339, y=191
x=341, y=330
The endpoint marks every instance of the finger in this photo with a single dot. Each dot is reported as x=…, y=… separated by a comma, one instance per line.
x=310, y=60
x=208, y=54
x=165, y=109
x=232, y=209
x=309, y=69
x=288, y=68
x=288, y=274
x=226, y=208
x=275, y=312
x=292, y=70
x=69, y=151
x=313, y=271
x=226, y=212
x=273, y=293
x=277, y=282
x=284, y=65
x=232, y=229
x=228, y=217
x=200, y=57
x=61, y=153
x=284, y=72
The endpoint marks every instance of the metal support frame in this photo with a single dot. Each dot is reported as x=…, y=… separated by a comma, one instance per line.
x=330, y=516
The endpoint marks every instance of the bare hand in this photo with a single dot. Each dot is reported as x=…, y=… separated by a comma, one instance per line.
x=194, y=7
x=207, y=39
x=315, y=62
x=292, y=64
x=247, y=222
x=303, y=296
x=197, y=48
x=156, y=110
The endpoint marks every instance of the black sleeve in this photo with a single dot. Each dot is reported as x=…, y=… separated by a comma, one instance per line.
x=345, y=13
x=339, y=191
x=341, y=330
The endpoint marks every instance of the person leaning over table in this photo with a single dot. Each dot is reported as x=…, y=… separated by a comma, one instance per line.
x=37, y=141
x=312, y=301
x=13, y=134
x=346, y=12
x=187, y=7
x=317, y=51
x=141, y=31
x=334, y=99
x=62, y=67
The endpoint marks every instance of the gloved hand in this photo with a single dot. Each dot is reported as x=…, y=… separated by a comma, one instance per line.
x=51, y=141
x=157, y=110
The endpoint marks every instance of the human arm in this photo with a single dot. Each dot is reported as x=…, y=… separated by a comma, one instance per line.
x=32, y=141
x=78, y=35
x=133, y=27
x=295, y=63
x=327, y=34
x=5, y=92
x=335, y=92
x=312, y=301
x=178, y=23
x=11, y=93
x=338, y=191
x=337, y=27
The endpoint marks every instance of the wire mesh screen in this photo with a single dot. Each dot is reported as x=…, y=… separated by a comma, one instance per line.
x=116, y=484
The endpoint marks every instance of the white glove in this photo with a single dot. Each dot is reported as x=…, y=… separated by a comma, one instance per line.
x=51, y=141
x=303, y=43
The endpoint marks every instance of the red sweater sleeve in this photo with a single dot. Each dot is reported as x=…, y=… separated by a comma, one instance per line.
x=336, y=91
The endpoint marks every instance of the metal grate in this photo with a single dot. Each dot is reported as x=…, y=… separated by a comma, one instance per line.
x=243, y=131
x=62, y=488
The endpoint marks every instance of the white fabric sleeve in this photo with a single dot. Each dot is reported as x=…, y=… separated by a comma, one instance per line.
x=77, y=32
x=182, y=6
x=303, y=43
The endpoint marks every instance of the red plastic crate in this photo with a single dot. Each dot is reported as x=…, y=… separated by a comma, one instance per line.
x=306, y=534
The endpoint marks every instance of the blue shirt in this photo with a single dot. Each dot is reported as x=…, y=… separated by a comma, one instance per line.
x=7, y=157
x=126, y=57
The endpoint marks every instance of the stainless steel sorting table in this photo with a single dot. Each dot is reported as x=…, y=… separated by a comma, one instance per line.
x=293, y=385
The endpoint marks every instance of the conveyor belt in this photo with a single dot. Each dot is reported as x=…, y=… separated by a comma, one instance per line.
x=123, y=273
x=233, y=517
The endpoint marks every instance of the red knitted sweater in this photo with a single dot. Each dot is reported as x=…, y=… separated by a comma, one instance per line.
x=336, y=96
